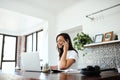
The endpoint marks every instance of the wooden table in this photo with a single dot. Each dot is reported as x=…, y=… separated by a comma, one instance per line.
x=21, y=75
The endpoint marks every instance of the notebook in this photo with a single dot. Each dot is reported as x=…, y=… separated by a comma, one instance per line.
x=30, y=61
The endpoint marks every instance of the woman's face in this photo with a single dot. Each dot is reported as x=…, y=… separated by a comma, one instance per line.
x=60, y=41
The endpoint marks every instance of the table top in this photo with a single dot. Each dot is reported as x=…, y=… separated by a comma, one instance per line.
x=22, y=75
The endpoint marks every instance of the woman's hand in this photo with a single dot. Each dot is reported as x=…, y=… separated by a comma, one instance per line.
x=66, y=46
x=54, y=67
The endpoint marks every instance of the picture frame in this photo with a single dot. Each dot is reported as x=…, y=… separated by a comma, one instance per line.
x=108, y=36
x=98, y=38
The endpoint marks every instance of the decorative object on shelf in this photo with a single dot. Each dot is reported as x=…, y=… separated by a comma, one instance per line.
x=80, y=40
x=98, y=38
x=116, y=37
x=108, y=36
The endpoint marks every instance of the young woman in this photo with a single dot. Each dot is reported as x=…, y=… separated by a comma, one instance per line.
x=67, y=54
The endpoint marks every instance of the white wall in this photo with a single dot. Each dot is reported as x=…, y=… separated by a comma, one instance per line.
x=52, y=50
x=103, y=22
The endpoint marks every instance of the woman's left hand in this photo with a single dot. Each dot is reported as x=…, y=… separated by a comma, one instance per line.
x=54, y=67
x=66, y=46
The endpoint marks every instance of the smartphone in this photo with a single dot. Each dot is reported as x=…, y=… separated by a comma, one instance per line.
x=66, y=41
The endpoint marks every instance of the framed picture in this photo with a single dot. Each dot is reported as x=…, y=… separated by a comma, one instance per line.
x=108, y=36
x=98, y=38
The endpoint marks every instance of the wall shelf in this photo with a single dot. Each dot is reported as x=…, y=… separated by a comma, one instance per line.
x=102, y=43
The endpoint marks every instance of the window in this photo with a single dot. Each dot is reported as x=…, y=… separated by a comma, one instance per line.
x=8, y=48
x=29, y=43
x=34, y=41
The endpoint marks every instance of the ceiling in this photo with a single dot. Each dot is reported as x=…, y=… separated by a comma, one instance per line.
x=54, y=6
x=16, y=22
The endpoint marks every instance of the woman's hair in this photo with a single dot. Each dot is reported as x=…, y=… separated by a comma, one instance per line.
x=67, y=38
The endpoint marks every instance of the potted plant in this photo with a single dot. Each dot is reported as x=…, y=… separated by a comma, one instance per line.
x=80, y=40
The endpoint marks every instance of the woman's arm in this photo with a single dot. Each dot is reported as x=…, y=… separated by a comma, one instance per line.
x=65, y=63
x=69, y=62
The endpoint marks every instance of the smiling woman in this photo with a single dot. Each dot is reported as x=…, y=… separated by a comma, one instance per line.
x=67, y=54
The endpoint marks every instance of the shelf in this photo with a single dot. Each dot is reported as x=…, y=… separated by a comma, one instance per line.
x=102, y=43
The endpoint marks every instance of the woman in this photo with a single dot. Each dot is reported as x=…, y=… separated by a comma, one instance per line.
x=67, y=54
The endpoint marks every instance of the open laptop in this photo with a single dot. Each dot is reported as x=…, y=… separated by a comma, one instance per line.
x=30, y=61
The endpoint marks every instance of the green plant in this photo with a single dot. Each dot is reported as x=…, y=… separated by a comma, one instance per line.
x=80, y=40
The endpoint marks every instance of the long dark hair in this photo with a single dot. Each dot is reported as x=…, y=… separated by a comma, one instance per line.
x=67, y=38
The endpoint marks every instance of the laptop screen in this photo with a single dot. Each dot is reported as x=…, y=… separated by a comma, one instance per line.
x=30, y=61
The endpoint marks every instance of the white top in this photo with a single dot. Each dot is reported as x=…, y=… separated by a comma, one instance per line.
x=71, y=54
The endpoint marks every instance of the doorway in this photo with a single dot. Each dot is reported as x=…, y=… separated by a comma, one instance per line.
x=8, y=52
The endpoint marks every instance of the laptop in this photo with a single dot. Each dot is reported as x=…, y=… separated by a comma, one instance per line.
x=30, y=61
